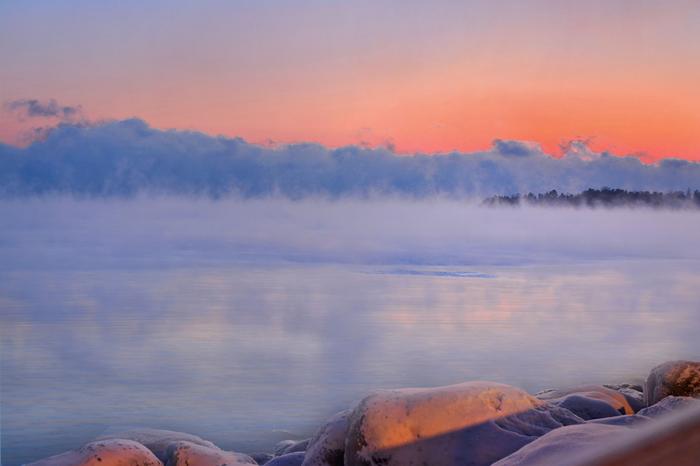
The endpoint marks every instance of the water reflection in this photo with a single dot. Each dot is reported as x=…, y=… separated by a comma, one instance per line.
x=237, y=354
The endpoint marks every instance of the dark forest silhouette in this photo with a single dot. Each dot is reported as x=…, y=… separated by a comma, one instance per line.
x=605, y=197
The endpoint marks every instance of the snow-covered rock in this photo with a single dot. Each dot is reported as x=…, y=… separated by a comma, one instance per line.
x=291, y=446
x=190, y=454
x=634, y=394
x=113, y=452
x=585, y=407
x=586, y=402
x=157, y=440
x=288, y=459
x=282, y=446
x=668, y=405
x=676, y=378
x=327, y=446
x=565, y=446
x=474, y=423
x=262, y=458
x=624, y=421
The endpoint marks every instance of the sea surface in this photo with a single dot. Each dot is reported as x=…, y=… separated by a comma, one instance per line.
x=100, y=328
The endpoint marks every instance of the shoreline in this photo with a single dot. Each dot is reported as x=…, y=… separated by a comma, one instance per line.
x=469, y=423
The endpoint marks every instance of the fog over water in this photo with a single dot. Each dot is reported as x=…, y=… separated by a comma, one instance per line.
x=247, y=322
x=66, y=232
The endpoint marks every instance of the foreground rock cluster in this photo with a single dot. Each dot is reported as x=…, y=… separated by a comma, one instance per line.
x=473, y=423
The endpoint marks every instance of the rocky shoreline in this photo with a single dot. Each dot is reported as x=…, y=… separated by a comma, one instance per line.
x=473, y=423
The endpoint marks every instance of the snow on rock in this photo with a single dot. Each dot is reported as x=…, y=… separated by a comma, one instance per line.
x=282, y=446
x=677, y=378
x=288, y=459
x=585, y=407
x=586, y=401
x=327, y=446
x=667, y=405
x=291, y=446
x=262, y=458
x=185, y=453
x=564, y=446
x=625, y=421
x=114, y=452
x=473, y=423
x=158, y=440
x=634, y=394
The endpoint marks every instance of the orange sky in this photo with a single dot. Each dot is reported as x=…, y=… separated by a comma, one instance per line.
x=423, y=78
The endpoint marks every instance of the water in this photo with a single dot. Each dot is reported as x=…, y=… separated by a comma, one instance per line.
x=246, y=350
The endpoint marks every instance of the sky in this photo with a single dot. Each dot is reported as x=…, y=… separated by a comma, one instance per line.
x=424, y=77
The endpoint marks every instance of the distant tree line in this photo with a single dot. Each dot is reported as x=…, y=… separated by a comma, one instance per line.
x=605, y=197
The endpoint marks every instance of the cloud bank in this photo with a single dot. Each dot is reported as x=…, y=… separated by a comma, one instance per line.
x=128, y=157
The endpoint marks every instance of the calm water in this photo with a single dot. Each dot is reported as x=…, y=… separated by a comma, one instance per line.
x=248, y=353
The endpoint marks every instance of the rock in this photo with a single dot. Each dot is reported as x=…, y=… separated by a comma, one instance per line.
x=624, y=421
x=297, y=446
x=327, y=446
x=282, y=446
x=587, y=401
x=586, y=408
x=474, y=423
x=673, y=378
x=634, y=397
x=185, y=453
x=290, y=446
x=632, y=392
x=625, y=386
x=113, y=452
x=288, y=459
x=564, y=446
x=158, y=440
x=262, y=458
x=668, y=405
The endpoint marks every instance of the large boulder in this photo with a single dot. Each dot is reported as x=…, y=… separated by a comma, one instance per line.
x=474, y=423
x=190, y=454
x=668, y=405
x=589, y=401
x=673, y=378
x=288, y=459
x=157, y=440
x=565, y=446
x=327, y=446
x=114, y=452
